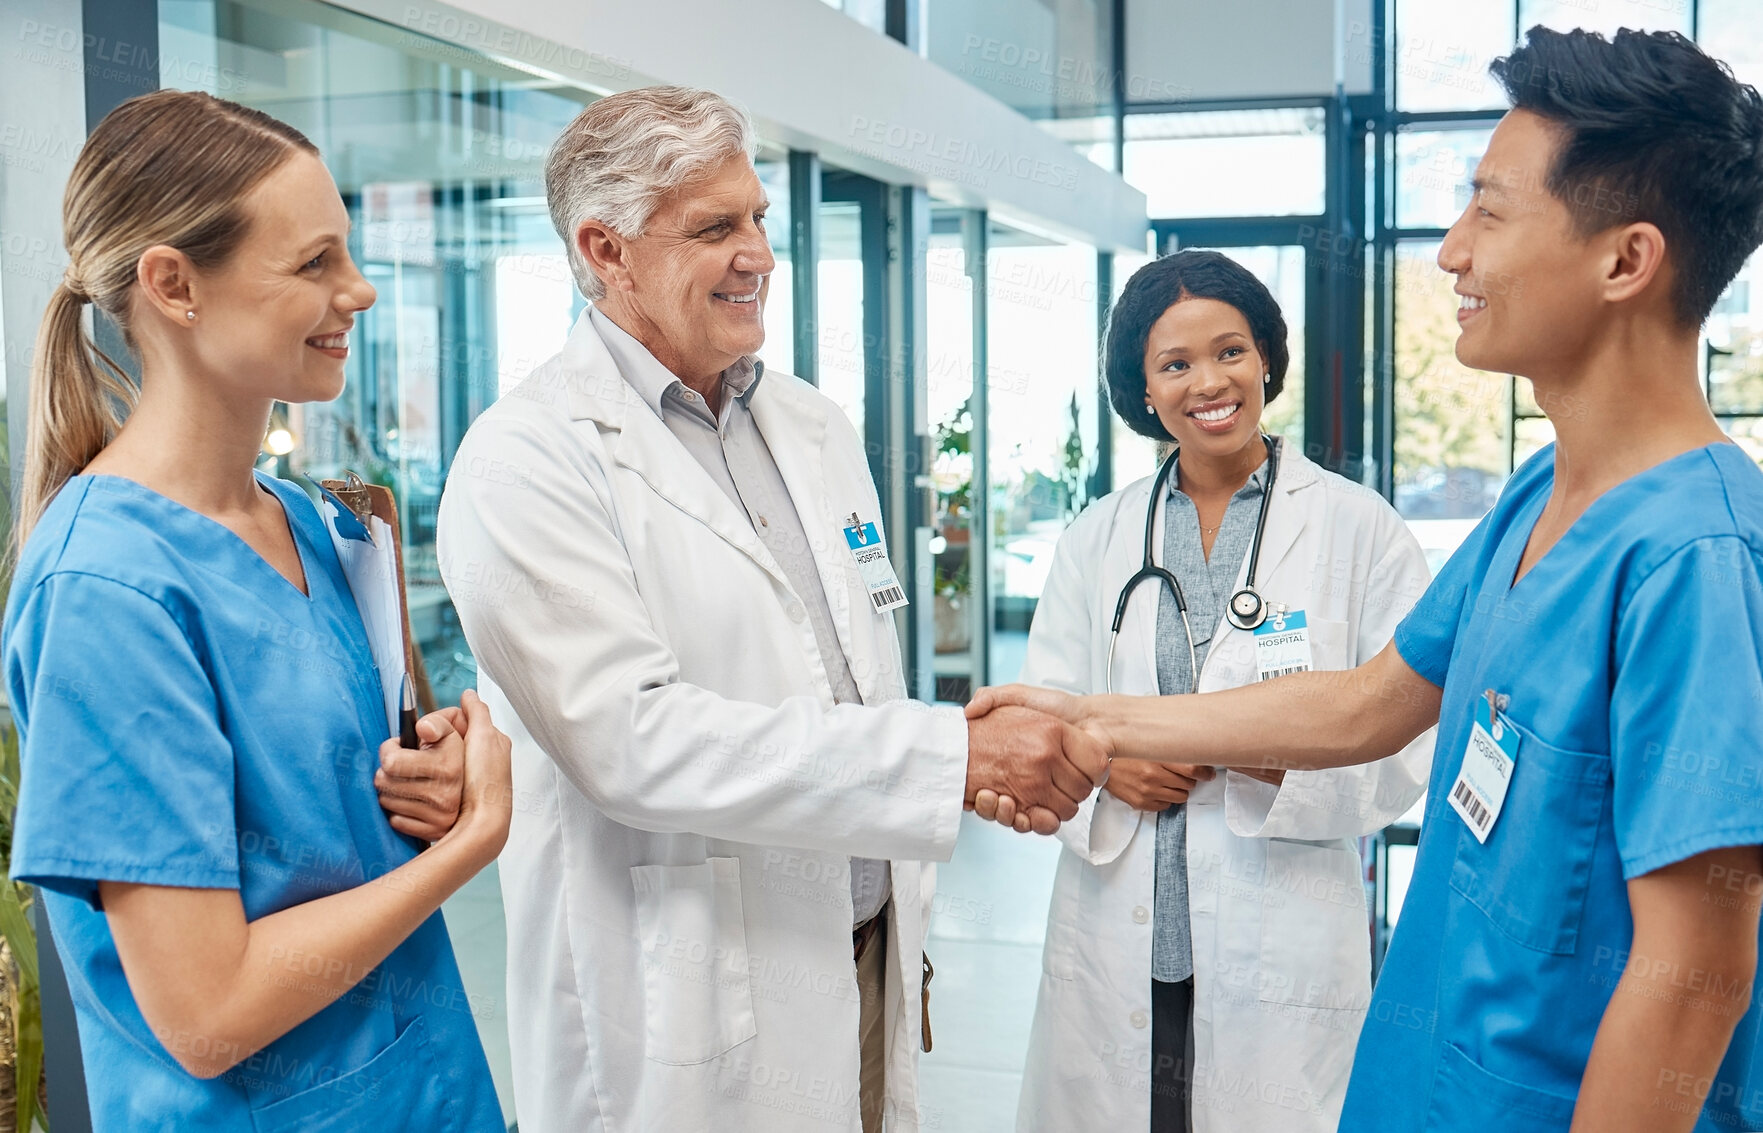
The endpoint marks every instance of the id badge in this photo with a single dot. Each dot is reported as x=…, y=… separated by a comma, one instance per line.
x=885, y=591
x=1480, y=789
x=1282, y=644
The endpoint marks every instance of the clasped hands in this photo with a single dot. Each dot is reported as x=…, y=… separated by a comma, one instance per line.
x=1034, y=754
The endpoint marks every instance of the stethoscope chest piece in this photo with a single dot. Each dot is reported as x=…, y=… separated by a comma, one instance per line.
x=1246, y=609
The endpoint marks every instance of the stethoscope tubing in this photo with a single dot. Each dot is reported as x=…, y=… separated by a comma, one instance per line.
x=1148, y=569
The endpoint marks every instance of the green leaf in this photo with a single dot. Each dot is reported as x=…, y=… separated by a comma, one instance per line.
x=15, y=926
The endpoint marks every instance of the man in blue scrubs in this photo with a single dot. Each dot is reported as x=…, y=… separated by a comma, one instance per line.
x=1579, y=943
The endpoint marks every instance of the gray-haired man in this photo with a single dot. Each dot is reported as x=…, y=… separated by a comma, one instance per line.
x=715, y=884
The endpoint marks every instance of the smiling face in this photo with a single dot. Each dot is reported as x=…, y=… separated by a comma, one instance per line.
x=273, y=320
x=692, y=288
x=1203, y=372
x=1529, y=286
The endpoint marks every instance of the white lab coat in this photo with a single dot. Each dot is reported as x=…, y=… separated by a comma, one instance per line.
x=688, y=796
x=1280, y=934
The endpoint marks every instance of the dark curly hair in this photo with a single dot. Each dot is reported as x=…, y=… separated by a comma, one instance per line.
x=1159, y=285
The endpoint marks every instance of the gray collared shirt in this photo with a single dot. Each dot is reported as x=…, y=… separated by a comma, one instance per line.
x=731, y=449
x=1206, y=584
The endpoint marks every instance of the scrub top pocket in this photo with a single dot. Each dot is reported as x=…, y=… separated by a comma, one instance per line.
x=698, y=998
x=384, y=1095
x=1464, y=1096
x=1555, y=795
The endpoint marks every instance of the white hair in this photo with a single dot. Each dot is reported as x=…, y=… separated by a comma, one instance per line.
x=626, y=151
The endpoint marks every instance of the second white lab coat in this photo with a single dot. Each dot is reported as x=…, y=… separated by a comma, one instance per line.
x=687, y=794
x=1281, y=941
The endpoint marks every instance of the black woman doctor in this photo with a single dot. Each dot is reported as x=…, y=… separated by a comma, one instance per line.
x=1206, y=961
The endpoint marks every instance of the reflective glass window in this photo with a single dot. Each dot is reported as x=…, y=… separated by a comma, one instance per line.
x=1441, y=53
x=1228, y=162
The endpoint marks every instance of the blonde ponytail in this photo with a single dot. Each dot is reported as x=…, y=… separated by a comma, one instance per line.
x=173, y=168
x=78, y=400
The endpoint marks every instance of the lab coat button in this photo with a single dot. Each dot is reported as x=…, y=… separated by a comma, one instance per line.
x=1139, y=1020
x=1140, y=915
x=797, y=613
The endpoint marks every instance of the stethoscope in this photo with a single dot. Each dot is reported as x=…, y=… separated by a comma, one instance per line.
x=1246, y=609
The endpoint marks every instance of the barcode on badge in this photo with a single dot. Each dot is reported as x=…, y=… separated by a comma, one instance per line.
x=1477, y=814
x=1285, y=672
x=889, y=596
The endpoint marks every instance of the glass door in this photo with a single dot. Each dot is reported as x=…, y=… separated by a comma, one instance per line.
x=956, y=409
x=851, y=334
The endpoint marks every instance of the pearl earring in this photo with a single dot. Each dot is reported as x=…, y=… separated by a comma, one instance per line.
x=1267, y=377
x=1150, y=410
x=190, y=315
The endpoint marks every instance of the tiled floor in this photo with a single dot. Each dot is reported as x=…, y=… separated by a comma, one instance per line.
x=991, y=916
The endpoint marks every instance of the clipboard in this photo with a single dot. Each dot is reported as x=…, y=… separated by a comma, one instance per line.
x=362, y=519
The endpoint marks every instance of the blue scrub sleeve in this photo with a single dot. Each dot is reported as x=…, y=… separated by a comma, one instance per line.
x=1427, y=636
x=125, y=772
x=1686, y=712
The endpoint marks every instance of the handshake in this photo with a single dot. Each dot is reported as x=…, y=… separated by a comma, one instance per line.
x=1030, y=758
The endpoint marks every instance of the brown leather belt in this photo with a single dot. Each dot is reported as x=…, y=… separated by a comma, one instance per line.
x=862, y=935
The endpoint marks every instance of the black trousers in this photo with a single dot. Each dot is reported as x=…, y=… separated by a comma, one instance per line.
x=1172, y=1056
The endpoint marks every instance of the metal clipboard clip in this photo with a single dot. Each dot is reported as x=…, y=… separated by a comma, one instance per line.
x=354, y=506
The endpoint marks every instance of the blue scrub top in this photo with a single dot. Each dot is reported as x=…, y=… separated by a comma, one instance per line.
x=1630, y=653
x=189, y=718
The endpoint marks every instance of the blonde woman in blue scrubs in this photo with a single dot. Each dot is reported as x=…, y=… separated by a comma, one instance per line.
x=250, y=943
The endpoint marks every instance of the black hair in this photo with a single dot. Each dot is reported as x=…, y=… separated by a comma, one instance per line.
x=1652, y=129
x=1159, y=285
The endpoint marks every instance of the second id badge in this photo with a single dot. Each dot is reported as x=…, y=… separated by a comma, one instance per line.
x=1282, y=644
x=885, y=591
x=1488, y=760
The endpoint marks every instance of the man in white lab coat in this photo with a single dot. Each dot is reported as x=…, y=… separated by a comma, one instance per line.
x=716, y=882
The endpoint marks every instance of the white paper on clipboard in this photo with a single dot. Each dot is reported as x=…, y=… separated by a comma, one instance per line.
x=370, y=563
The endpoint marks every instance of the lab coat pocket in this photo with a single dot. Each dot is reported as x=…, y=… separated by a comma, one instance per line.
x=1464, y=1096
x=1315, y=949
x=1553, y=793
x=698, y=1001
x=398, y=1089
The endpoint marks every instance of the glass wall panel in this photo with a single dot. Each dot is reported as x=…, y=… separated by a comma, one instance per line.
x=1607, y=16
x=1433, y=169
x=779, y=353
x=1281, y=268
x=1442, y=52
x=1731, y=31
x=1734, y=343
x=1529, y=435
x=1452, y=439
x=1042, y=361
x=1228, y=162
x=1135, y=455
x=1046, y=60
x=1748, y=432
x=872, y=14
x=1093, y=138
x=949, y=372
x=840, y=296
